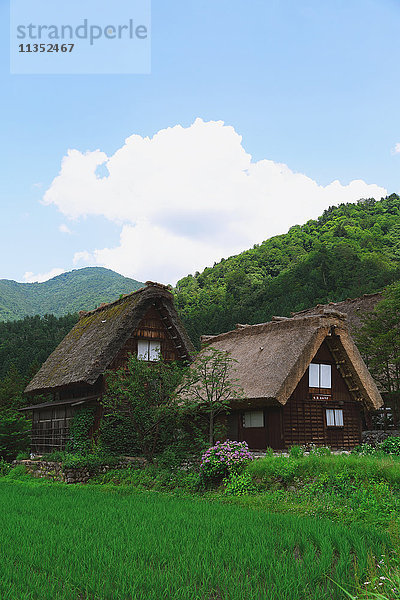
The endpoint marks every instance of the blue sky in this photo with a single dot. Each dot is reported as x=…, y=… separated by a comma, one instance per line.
x=308, y=84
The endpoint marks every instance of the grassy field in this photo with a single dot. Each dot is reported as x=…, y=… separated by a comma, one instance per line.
x=103, y=543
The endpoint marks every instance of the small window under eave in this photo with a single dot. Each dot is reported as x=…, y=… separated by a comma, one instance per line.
x=320, y=376
x=149, y=350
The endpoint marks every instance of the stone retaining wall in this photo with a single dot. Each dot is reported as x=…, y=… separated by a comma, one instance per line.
x=54, y=470
x=375, y=437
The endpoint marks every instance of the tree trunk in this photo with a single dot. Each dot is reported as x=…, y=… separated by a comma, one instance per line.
x=211, y=430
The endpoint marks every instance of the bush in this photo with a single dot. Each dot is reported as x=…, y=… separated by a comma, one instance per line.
x=55, y=456
x=239, y=484
x=364, y=450
x=89, y=461
x=283, y=469
x=14, y=434
x=319, y=450
x=223, y=459
x=79, y=431
x=391, y=445
x=118, y=436
x=172, y=457
x=5, y=468
x=17, y=472
x=22, y=456
x=296, y=452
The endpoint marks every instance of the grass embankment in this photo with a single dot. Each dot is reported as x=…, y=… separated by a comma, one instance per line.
x=62, y=542
x=346, y=488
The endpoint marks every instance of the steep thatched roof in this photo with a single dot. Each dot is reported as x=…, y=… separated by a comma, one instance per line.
x=354, y=308
x=272, y=357
x=88, y=349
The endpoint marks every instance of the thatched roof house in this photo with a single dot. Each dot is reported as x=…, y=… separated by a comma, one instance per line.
x=285, y=401
x=144, y=322
x=90, y=347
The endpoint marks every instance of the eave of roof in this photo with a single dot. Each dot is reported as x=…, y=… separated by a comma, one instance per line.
x=69, y=402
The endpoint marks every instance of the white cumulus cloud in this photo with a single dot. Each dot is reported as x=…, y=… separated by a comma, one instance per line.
x=396, y=149
x=30, y=277
x=187, y=197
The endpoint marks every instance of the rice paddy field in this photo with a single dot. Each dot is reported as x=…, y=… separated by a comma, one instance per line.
x=60, y=542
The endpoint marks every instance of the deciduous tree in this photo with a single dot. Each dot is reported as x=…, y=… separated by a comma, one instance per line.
x=209, y=385
x=142, y=392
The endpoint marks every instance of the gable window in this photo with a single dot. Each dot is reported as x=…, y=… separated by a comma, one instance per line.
x=253, y=418
x=319, y=376
x=334, y=417
x=149, y=350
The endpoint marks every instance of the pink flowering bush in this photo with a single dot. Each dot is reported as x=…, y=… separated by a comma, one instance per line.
x=224, y=459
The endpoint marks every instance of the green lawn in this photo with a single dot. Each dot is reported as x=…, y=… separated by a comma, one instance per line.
x=94, y=542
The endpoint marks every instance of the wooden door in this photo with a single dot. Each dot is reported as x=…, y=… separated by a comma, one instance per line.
x=273, y=418
x=252, y=429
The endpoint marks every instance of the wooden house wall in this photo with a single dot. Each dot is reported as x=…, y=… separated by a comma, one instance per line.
x=304, y=419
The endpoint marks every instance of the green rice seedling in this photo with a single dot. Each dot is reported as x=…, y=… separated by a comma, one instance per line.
x=60, y=542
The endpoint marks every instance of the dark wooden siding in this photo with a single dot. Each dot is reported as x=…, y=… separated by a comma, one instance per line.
x=304, y=418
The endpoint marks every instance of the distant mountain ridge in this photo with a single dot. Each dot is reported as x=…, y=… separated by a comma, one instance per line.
x=81, y=289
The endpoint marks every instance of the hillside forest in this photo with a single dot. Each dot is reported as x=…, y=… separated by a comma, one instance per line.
x=350, y=250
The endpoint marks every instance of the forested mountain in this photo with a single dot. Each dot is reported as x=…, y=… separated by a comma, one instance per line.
x=352, y=249
x=25, y=344
x=82, y=289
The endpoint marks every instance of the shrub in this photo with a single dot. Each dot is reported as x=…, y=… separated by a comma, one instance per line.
x=79, y=431
x=22, y=456
x=172, y=457
x=55, y=456
x=319, y=450
x=151, y=477
x=17, y=472
x=223, y=459
x=144, y=396
x=239, y=484
x=89, y=461
x=364, y=450
x=391, y=445
x=296, y=452
x=118, y=436
x=5, y=467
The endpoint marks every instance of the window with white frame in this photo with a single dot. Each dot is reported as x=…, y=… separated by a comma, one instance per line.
x=149, y=350
x=334, y=417
x=253, y=418
x=320, y=376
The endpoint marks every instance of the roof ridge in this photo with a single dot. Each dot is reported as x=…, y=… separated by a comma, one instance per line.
x=104, y=305
x=278, y=324
x=335, y=303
